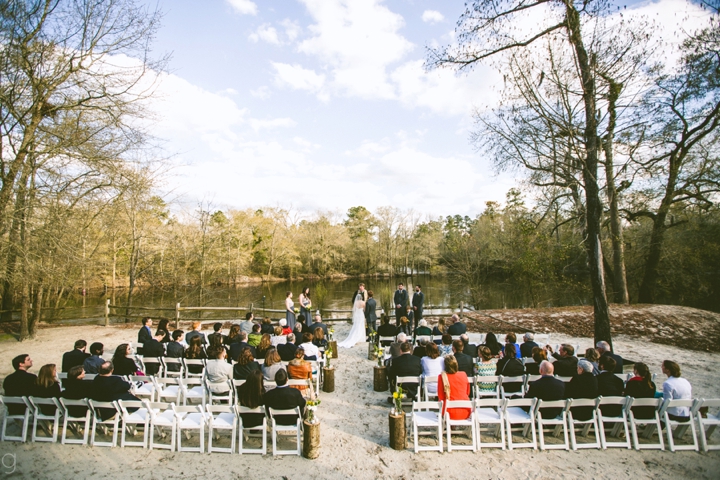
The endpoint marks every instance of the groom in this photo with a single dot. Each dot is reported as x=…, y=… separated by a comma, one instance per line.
x=370, y=315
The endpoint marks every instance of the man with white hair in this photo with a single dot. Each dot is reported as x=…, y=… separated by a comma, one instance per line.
x=319, y=324
x=604, y=349
x=547, y=388
x=457, y=327
x=395, y=346
x=583, y=385
x=423, y=330
x=527, y=346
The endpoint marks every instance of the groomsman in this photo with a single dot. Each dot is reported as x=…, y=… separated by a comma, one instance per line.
x=400, y=299
x=418, y=301
x=360, y=291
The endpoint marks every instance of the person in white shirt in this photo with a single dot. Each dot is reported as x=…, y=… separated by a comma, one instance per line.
x=218, y=370
x=676, y=388
x=310, y=349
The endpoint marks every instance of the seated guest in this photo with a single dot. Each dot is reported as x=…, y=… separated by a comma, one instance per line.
x=300, y=369
x=75, y=357
x=251, y=395
x=76, y=388
x=406, y=365
x=432, y=365
x=255, y=337
x=195, y=332
x=604, y=349
x=277, y=337
x=163, y=327
x=457, y=327
x=238, y=345
x=123, y=365
x=538, y=355
x=247, y=325
x=318, y=323
x=287, y=350
x=582, y=385
x=511, y=338
x=47, y=387
x=453, y=385
x=609, y=385
x=267, y=327
x=486, y=368
x=319, y=338
x=445, y=347
x=592, y=356
x=410, y=315
x=195, y=352
x=420, y=348
x=527, y=346
x=175, y=349
x=154, y=349
x=217, y=369
x=311, y=351
x=93, y=362
x=510, y=366
x=217, y=333
x=245, y=365
x=298, y=332
x=641, y=386
x=284, y=329
x=566, y=361
x=439, y=330
x=676, y=388
x=20, y=383
x=492, y=343
x=144, y=335
x=547, y=388
x=264, y=345
x=107, y=387
x=405, y=326
x=423, y=330
x=272, y=365
x=395, y=350
x=469, y=348
x=464, y=362
x=234, y=335
x=284, y=398
x=386, y=329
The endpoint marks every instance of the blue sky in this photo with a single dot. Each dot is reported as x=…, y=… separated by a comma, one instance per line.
x=323, y=105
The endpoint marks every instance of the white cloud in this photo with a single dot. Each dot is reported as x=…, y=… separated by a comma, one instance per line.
x=265, y=33
x=432, y=17
x=257, y=124
x=292, y=29
x=297, y=77
x=243, y=7
x=305, y=145
x=261, y=92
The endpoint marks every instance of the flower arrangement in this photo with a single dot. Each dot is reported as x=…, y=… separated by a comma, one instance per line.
x=296, y=309
x=379, y=352
x=311, y=407
x=398, y=395
x=331, y=330
x=328, y=355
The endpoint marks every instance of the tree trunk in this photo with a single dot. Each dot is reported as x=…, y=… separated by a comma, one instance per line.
x=593, y=204
x=24, y=307
x=311, y=440
x=328, y=380
x=380, y=383
x=398, y=435
x=37, y=311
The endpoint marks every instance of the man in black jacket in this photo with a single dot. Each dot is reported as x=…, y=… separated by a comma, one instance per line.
x=75, y=357
x=547, y=388
x=287, y=350
x=145, y=333
x=465, y=362
x=609, y=385
x=387, y=330
x=237, y=347
x=527, y=346
x=284, y=398
x=406, y=365
x=75, y=387
x=583, y=385
x=108, y=388
x=457, y=327
x=469, y=348
x=605, y=350
x=566, y=361
x=20, y=383
x=400, y=299
x=318, y=323
x=418, y=301
x=154, y=349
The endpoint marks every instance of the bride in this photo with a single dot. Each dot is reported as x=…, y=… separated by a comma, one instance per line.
x=357, y=333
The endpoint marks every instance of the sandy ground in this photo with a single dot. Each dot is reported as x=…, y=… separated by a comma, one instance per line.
x=354, y=438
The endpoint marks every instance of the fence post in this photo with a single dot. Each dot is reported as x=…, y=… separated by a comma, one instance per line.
x=177, y=315
x=462, y=308
x=107, y=312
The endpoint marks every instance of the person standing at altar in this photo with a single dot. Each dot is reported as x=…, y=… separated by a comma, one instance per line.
x=400, y=299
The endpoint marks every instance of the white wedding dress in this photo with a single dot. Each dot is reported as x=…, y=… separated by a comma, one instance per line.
x=357, y=332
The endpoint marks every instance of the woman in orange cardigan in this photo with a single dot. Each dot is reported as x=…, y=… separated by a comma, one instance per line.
x=453, y=385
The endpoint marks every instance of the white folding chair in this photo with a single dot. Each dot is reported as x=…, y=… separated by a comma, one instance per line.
x=194, y=362
x=143, y=386
x=676, y=430
x=427, y=415
x=515, y=414
x=465, y=423
x=504, y=381
x=259, y=431
x=73, y=415
x=162, y=416
x=557, y=423
x=222, y=394
x=131, y=421
x=404, y=381
x=528, y=380
x=156, y=362
x=193, y=389
x=277, y=429
x=173, y=367
x=62, y=377
x=97, y=421
x=486, y=382
x=651, y=425
x=24, y=418
x=427, y=396
x=189, y=418
x=711, y=421
x=584, y=424
x=616, y=421
x=52, y=420
x=168, y=389
x=490, y=411
x=221, y=417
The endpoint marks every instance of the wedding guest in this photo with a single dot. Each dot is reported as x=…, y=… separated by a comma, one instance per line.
x=46, y=386
x=264, y=345
x=163, y=327
x=195, y=352
x=432, y=365
x=510, y=366
x=565, y=360
x=277, y=337
x=287, y=350
x=217, y=370
x=75, y=357
x=583, y=385
x=76, y=388
x=107, y=387
x=144, y=334
x=405, y=325
x=284, y=398
x=421, y=348
x=93, y=362
x=547, y=388
x=154, y=349
x=439, y=330
x=527, y=346
x=217, y=333
x=511, y=338
x=406, y=365
x=469, y=348
x=195, y=332
x=604, y=349
x=237, y=346
x=465, y=362
x=492, y=343
x=266, y=327
x=255, y=337
x=311, y=351
x=453, y=385
x=319, y=324
x=247, y=325
x=289, y=310
x=284, y=329
x=175, y=349
x=395, y=347
x=641, y=386
x=20, y=383
x=609, y=385
x=245, y=365
x=486, y=368
x=446, y=346
x=457, y=327
x=123, y=364
x=272, y=364
x=592, y=356
x=300, y=369
x=298, y=332
x=423, y=330
x=411, y=319
x=251, y=395
x=676, y=388
x=319, y=338
x=234, y=334
x=539, y=356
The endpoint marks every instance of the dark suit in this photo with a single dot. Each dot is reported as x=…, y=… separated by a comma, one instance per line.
x=241, y=372
x=465, y=364
x=153, y=349
x=76, y=390
x=565, y=366
x=175, y=350
x=395, y=349
x=547, y=388
x=144, y=335
x=470, y=349
x=457, y=328
x=72, y=359
x=110, y=389
x=370, y=315
x=510, y=367
x=405, y=365
x=526, y=349
x=358, y=292
x=618, y=361
x=287, y=351
x=284, y=398
x=610, y=386
x=321, y=325
x=582, y=386
x=237, y=347
x=194, y=333
x=19, y=384
x=418, y=301
x=400, y=298
x=387, y=330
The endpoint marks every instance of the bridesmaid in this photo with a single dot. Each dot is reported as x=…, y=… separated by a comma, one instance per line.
x=289, y=311
x=306, y=305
